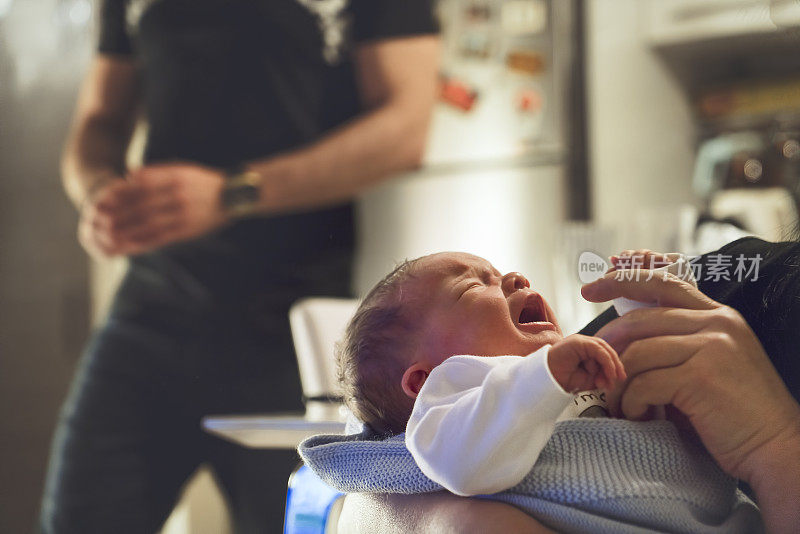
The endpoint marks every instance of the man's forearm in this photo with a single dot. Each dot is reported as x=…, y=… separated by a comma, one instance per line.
x=95, y=153
x=387, y=140
x=432, y=513
x=775, y=477
x=104, y=119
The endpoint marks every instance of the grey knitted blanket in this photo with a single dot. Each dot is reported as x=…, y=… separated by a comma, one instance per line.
x=594, y=475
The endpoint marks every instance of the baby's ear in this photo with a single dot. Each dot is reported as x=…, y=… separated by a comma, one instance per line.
x=413, y=379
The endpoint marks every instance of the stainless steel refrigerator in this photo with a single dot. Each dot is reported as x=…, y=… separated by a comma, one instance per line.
x=505, y=163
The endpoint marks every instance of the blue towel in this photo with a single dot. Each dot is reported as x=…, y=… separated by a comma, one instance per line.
x=594, y=475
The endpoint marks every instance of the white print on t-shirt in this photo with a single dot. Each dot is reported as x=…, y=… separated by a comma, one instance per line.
x=133, y=15
x=330, y=16
x=588, y=404
x=332, y=24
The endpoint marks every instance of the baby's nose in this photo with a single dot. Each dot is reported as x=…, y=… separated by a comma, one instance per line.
x=514, y=282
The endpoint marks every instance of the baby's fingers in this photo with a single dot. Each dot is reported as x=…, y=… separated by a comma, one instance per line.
x=592, y=368
x=639, y=259
x=607, y=358
x=619, y=367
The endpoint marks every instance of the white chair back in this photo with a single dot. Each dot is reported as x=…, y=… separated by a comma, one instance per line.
x=317, y=324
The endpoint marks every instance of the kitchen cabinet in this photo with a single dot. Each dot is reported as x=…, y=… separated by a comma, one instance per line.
x=673, y=22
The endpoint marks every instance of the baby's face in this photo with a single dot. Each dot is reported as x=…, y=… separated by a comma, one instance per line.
x=473, y=309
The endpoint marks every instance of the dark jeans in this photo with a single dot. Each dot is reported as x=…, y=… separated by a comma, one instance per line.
x=172, y=351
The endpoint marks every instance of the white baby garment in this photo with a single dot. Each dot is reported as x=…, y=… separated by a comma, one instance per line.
x=479, y=423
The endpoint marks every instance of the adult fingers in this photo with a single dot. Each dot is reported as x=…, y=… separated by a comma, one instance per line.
x=160, y=199
x=154, y=228
x=725, y=386
x=657, y=387
x=116, y=196
x=640, y=259
x=116, y=209
x=639, y=262
x=155, y=179
x=96, y=245
x=130, y=196
x=622, y=374
x=662, y=289
x=95, y=239
x=147, y=214
x=663, y=351
x=647, y=355
x=152, y=239
x=638, y=251
x=647, y=253
x=124, y=220
x=128, y=233
x=650, y=322
x=124, y=217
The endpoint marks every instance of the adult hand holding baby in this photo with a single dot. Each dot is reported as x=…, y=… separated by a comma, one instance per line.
x=702, y=357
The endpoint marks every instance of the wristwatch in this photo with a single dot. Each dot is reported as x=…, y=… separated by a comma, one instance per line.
x=240, y=194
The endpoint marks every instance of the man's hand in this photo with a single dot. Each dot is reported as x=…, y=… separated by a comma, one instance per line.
x=156, y=206
x=701, y=357
x=581, y=363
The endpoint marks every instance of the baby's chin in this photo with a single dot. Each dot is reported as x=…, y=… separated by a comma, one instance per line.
x=534, y=342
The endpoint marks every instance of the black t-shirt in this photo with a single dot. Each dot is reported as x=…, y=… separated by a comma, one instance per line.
x=770, y=303
x=227, y=81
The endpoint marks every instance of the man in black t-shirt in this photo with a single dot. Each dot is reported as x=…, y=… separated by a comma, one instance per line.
x=265, y=119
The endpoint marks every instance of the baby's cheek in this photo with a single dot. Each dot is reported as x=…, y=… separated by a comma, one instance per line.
x=474, y=341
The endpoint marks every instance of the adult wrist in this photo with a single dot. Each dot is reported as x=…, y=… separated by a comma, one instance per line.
x=773, y=472
x=770, y=458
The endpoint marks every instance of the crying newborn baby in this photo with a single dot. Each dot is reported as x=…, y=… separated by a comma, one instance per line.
x=447, y=349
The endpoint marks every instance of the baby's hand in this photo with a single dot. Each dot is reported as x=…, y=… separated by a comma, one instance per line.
x=581, y=363
x=642, y=258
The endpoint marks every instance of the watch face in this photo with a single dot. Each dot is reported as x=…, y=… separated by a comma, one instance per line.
x=240, y=198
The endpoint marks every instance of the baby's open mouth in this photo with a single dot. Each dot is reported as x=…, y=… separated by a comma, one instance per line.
x=533, y=317
x=532, y=312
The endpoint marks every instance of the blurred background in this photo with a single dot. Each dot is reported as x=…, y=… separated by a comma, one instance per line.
x=563, y=126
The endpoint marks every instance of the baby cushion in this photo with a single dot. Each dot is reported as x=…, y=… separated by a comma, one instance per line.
x=593, y=475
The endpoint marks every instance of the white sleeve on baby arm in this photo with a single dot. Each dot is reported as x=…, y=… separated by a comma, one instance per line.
x=479, y=423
